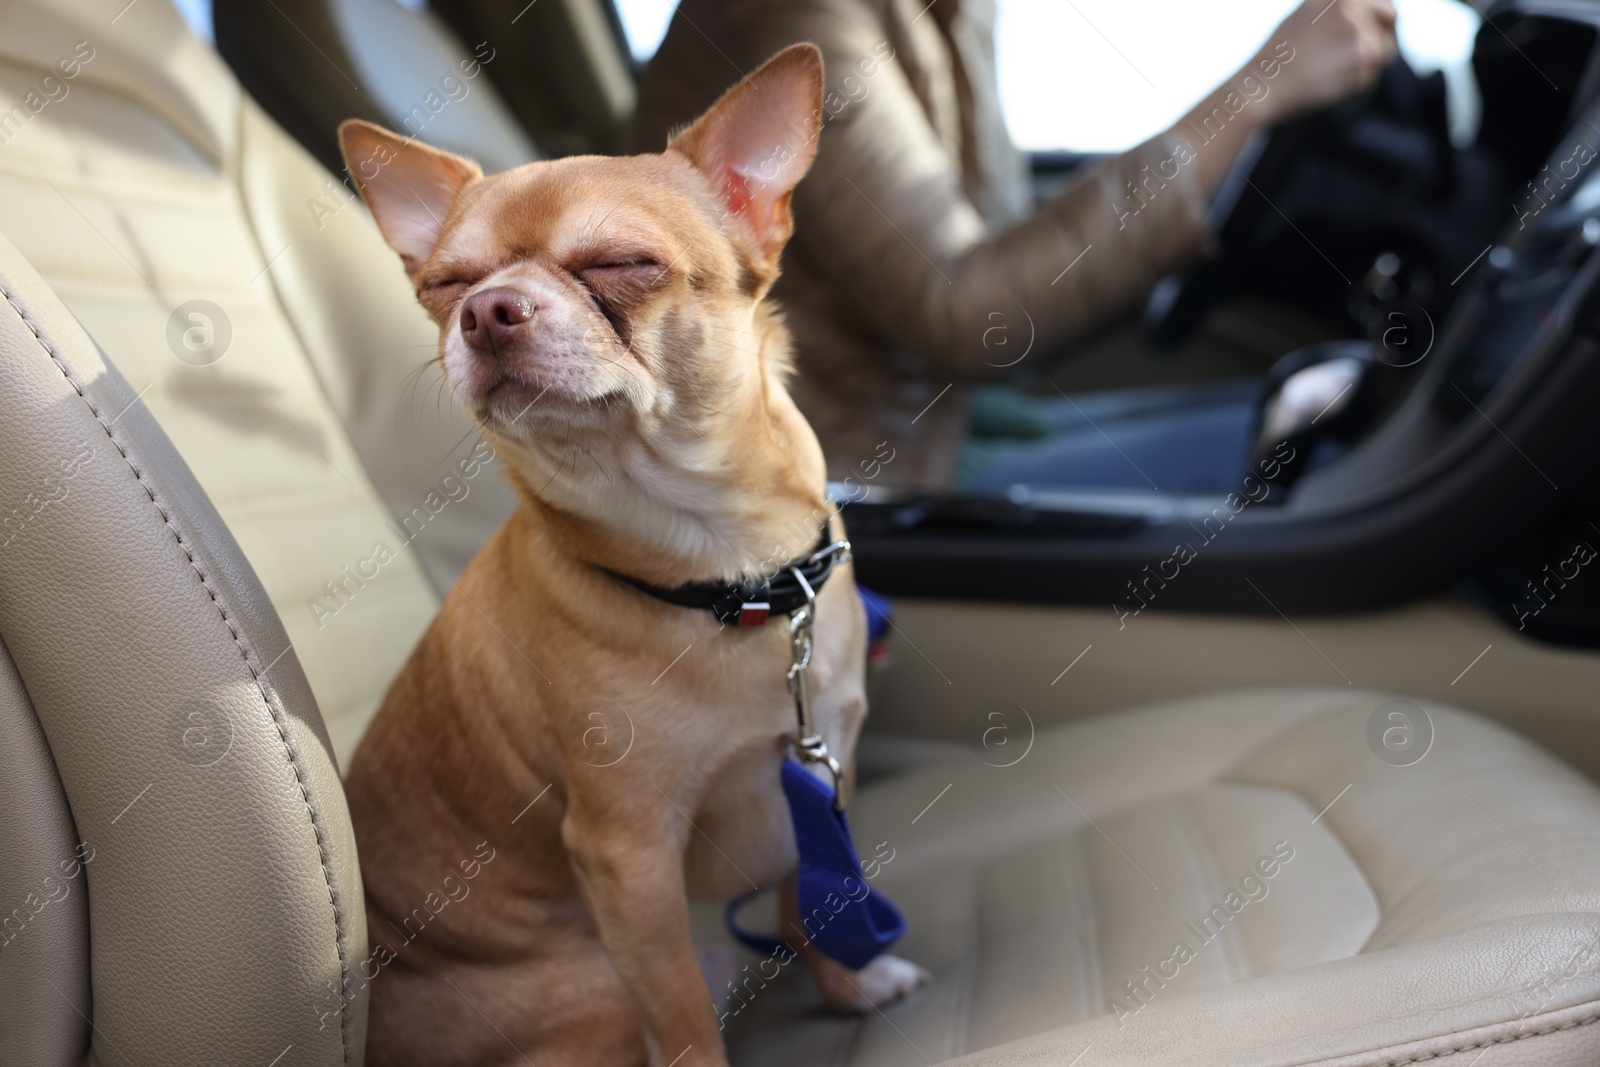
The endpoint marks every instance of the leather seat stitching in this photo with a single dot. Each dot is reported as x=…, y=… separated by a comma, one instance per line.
x=1569, y=1025
x=245, y=653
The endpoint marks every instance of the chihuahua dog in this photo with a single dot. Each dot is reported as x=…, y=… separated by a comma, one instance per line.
x=582, y=753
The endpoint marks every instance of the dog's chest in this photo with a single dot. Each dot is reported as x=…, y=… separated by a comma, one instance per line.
x=743, y=832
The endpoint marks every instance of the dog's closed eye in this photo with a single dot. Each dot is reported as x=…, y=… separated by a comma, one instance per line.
x=616, y=286
x=444, y=291
x=638, y=273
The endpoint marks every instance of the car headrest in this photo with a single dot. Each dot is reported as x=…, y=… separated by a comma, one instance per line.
x=314, y=63
x=501, y=81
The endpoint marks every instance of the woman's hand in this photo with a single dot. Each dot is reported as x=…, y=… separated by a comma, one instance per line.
x=1323, y=52
x=1338, y=48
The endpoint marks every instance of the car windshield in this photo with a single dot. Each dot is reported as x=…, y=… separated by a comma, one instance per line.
x=1133, y=83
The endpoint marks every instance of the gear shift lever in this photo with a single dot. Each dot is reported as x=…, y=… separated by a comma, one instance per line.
x=1313, y=394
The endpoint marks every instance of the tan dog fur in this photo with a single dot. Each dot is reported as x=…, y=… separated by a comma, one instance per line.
x=643, y=419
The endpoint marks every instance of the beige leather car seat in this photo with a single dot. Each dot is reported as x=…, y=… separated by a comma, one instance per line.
x=177, y=867
x=1444, y=909
x=301, y=391
x=174, y=838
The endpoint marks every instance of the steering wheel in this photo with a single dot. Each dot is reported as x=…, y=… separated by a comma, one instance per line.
x=1342, y=211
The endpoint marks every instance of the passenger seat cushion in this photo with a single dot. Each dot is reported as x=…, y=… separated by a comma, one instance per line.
x=1234, y=879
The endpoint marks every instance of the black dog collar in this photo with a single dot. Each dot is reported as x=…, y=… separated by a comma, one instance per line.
x=749, y=602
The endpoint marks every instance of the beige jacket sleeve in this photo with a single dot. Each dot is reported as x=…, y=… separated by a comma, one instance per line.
x=884, y=216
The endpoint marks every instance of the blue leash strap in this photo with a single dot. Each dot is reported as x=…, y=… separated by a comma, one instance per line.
x=840, y=915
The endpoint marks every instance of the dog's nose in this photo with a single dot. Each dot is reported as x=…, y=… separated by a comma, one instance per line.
x=492, y=318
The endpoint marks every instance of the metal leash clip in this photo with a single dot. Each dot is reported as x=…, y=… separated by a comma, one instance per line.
x=839, y=550
x=808, y=744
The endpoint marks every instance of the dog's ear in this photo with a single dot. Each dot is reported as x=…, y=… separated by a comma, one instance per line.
x=409, y=186
x=758, y=141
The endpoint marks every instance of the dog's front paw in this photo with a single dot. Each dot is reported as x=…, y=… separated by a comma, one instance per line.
x=885, y=979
